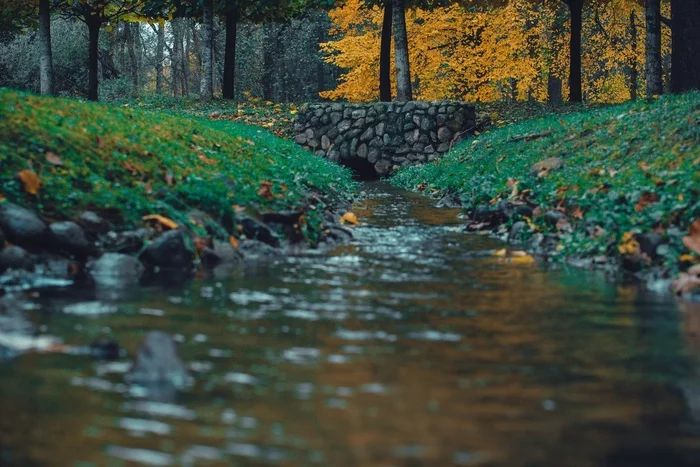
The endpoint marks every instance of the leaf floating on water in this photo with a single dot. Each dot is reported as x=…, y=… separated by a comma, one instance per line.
x=500, y=253
x=692, y=241
x=30, y=180
x=52, y=158
x=164, y=221
x=349, y=218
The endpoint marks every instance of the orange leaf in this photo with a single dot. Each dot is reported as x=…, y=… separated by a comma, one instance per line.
x=234, y=242
x=265, y=190
x=645, y=200
x=30, y=180
x=164, y=221
x=350, y=218
x=692, y=241
x=100, y=141
x=201, y=244
x=207, y=160
x=53, y=159
x=577, y=214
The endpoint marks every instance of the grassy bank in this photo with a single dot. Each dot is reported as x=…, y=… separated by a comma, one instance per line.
x=60, y=156
x=626, y=171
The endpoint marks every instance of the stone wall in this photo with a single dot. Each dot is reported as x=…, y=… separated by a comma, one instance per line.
x=381, y=137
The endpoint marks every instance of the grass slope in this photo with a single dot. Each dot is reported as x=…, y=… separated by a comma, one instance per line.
x=631, y=168
x=126, y=163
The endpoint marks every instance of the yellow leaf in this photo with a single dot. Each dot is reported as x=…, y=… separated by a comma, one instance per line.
x=349, y=218
x=30, y=180
x=500, y=253
x=164, y=221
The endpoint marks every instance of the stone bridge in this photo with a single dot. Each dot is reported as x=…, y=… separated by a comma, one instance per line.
x=376, y=138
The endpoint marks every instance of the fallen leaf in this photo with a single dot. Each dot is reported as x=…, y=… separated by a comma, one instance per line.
x=100, y=141
x=201, y=244
x=265, y=190
x=349, y=218
x=164, y=221
x=169, y=178
x=30, y=180
x=645, y=200
x=687, y=281
x=628, y=245
x=234, y=241
x=577, y=213
x=692, y=241
x=500, y=253
x=207, y=160
x=53, y=159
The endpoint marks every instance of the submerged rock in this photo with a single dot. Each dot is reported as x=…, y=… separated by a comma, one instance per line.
x=169, y=251
x=221, y=253
x=21, y=226
x=116, y=269
x=158, y=363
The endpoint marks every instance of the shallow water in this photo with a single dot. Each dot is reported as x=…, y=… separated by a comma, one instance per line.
x=410, y=346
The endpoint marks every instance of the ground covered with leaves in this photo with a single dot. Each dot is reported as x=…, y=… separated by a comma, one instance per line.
x=60, y=156
x=618, y=184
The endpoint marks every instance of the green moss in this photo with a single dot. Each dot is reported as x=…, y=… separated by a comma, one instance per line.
x=127, y=163
x=612, y=156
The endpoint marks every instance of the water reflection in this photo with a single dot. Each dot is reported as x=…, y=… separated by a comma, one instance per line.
x=408, y=347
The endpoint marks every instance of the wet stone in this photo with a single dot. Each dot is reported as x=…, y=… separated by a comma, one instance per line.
x=21, y=226
x=70, y=237
x=158, y=362
x=17, y=258
x=169, y=251
x=116, y=269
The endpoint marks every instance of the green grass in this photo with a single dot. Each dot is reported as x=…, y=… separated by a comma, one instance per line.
x=613, y=156
x=126, y=163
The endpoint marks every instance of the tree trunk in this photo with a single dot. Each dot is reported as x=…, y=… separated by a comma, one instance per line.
x=403, y=69
x=94, y=24
x=685, y=38
x=554, y=90
x=45, y=54
x=385, y=55
x=176, y=60
x=160, y=58
x=575, y=78
x=207, y=83
x=228, y=90
x=320, y=66
x=133, y=63
x=634, y=71
x=653, y=71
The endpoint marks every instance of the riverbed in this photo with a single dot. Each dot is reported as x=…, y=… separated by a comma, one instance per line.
x=411, y=345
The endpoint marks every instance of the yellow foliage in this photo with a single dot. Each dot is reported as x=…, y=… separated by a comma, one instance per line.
x=477, y=53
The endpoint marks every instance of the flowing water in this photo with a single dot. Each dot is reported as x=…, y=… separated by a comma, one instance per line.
x=410, y=346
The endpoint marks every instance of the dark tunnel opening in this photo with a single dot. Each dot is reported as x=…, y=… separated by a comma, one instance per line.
x=362, y=169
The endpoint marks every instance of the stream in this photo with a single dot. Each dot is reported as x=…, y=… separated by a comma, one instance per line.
x=410, y=346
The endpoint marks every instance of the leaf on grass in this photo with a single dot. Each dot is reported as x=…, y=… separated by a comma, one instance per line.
x=52, y=158
x=577, y=213
x=169, y=178
x=265, y=190
x=234, y=241
x=692, y=241
x=207, y=160
x=128, y=165
x=30, y=180
x=164, y=221
x=100, y=141
x=628, y=245
x=645, y=200
x=349, y=218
